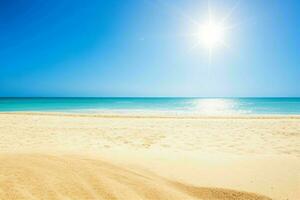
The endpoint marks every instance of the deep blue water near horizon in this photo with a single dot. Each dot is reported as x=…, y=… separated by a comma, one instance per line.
x=200, y=106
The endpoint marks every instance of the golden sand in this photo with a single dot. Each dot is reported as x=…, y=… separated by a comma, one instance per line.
x=57, y=177
x=72, y=156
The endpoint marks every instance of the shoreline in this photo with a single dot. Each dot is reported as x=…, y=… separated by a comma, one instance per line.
x=153, y=115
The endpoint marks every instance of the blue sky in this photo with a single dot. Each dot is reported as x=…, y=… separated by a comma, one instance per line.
x=144, y=48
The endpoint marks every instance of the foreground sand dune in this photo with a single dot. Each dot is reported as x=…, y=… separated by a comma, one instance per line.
x=76, y=177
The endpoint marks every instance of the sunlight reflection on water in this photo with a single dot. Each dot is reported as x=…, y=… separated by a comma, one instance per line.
x=216, y=106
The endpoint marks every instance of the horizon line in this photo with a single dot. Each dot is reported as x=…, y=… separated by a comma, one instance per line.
x=83, y=97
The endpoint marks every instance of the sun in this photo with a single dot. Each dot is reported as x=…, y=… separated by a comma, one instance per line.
x=212, y=34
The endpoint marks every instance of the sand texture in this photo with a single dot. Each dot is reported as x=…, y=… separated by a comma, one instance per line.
x=84, y=156
x=56, y=177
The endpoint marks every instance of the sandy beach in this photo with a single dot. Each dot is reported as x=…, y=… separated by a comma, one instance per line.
x=93, y=156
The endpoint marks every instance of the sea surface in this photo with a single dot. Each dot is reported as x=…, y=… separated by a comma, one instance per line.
x=198, y=106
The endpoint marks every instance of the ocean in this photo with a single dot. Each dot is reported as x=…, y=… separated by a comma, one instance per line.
x=198, y=106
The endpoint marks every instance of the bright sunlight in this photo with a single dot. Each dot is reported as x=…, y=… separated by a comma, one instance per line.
x=212, y=34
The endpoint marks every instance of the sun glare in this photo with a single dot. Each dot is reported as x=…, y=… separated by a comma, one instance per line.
x=212, y=34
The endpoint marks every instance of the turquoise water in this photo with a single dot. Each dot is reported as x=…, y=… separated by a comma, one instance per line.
x=201, y=106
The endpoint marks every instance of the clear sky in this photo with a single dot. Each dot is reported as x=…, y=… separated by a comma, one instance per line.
x=146, y=48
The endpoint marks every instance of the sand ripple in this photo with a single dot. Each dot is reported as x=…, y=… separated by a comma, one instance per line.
x=75, y=177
